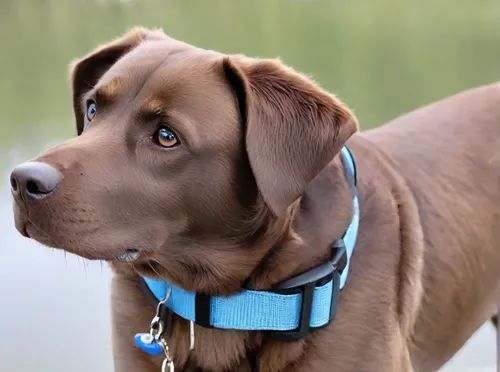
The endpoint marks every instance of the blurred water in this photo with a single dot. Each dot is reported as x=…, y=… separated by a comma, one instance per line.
x=382, y=57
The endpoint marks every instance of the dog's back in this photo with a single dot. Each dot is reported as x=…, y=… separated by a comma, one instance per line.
x=448, y=154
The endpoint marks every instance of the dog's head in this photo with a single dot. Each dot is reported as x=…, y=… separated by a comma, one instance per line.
x=187, y=161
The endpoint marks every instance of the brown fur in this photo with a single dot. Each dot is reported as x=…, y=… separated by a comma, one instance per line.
x=255, y=194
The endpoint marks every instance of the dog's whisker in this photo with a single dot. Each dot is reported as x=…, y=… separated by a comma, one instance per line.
x=41, y=231
x=153, y=269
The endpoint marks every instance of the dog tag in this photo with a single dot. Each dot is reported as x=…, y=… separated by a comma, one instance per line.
x=147, y=343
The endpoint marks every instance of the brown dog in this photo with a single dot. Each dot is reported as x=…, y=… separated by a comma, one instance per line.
x=218, y=172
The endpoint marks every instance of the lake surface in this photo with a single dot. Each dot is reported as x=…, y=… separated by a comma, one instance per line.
x=383, y=58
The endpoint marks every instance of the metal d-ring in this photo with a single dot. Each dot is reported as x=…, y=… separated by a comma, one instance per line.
x=191, y=336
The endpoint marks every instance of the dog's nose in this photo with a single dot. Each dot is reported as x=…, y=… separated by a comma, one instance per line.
x=34, y=180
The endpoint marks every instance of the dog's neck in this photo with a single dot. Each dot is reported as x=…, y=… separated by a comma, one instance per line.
x=317, y=219
x=290, y=245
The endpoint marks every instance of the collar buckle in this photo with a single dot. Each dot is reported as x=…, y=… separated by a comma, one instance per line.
x=306, y=285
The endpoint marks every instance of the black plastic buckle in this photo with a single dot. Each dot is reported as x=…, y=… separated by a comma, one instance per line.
x=202, y=310
x=305, y=284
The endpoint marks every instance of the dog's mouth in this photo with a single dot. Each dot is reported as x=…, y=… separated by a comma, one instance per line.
x=129, y=255
x=24, y=231
x=138, y=258
x=31, y=231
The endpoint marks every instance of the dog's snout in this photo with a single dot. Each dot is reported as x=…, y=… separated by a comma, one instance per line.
x=34, y=180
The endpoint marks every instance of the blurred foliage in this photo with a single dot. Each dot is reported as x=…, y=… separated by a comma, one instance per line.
x=383, y=57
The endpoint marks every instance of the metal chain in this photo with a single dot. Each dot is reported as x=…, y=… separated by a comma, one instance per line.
x=168, y=363
x=156, y=331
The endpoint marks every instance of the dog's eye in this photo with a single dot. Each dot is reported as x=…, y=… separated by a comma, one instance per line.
x=91, y=110
x=165, y=137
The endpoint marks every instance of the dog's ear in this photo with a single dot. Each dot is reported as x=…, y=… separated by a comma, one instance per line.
x=87, y=71
x=293, y=127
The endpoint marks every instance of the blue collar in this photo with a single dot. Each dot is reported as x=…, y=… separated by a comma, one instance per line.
x=290, y=310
